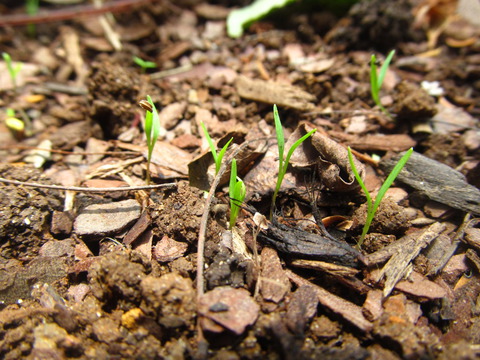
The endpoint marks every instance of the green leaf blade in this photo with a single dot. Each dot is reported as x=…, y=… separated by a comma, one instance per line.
x=391, y=178
x=384, y=68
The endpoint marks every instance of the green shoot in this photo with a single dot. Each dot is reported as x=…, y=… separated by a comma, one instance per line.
x=217, y=157
x=238, y=19
x=283, y=162
x=237, y=193
x=372, y=207
x=152, y=129
x=31, y=7
x=376, y=81
x=12, y=70
x=144, y=64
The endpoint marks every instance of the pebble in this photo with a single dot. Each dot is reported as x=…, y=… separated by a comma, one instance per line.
x=105, y=219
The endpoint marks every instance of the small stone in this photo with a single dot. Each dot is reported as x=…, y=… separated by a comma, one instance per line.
x=241, y=310
x=58, y=248
x=62, y=223
x=168, y=249
x=106, y=330
x=106, y=219
x=187, y=141
x=171, y=114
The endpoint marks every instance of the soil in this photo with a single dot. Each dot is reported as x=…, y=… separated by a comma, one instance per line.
x=128, y=288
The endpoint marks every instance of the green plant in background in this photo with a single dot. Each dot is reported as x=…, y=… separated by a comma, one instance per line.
x=12, y=70
x=283, y=162
x=237, y=192
x=376, y=81
x=144, y=64
x=372, y=207
x=152, y=129
x=31, y=7
x=217, y=157
x=239, y=19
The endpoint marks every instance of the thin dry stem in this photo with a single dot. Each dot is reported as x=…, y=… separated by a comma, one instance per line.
x=84, y=189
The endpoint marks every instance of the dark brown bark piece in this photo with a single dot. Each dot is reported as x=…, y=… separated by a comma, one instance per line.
x=438, y=181
x=302, y=244
x=140, y=226
x=274, y=283
x=349, y=311
x=301, y=309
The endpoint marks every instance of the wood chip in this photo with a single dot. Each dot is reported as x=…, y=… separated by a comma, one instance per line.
x=438, y=181
x=419, y=286
x=275, y=93
x=349, y=311
x=372, y=307
x=383, y=142
x=330, y=268
x=274, y=283
x=301, y=309
x=136, y=230
x=396, y=268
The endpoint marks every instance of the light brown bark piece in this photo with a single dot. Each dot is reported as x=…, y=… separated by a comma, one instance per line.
x=396, y=268
x=275, y=93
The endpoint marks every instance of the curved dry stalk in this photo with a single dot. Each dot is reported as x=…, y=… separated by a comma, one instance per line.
x=206, y=212
x=84, y=189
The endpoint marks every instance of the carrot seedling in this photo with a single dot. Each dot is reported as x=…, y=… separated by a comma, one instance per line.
x=237, y=193
x=372, y=207
x=144, y=64
x=283, y=162
x=217, y=157
x=376, y=81
x=12, y=70
x=152, y=128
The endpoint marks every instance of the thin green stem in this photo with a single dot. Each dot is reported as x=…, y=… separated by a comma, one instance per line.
x=372, y=208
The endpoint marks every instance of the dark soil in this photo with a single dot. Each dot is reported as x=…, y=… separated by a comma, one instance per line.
x=127, y=288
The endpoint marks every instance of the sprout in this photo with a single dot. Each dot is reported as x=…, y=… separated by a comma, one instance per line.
x=144, y=64
x=237, y=193
x=377, y=81
x=372, y=207
x=283, y=162
x=12, y=70
x=152, y=129
x=217, y=157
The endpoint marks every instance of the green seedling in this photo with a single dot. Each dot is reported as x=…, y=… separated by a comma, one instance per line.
x=376, y=81
x=31, y=7
x=144, y=64
x=217, y=157
x=283, y=162
x=237, y=193
x=152, y=129
x=372, y=207
x=12, y=70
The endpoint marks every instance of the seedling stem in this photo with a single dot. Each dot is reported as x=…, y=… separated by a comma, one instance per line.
x=372, y=207
x=283, y=162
